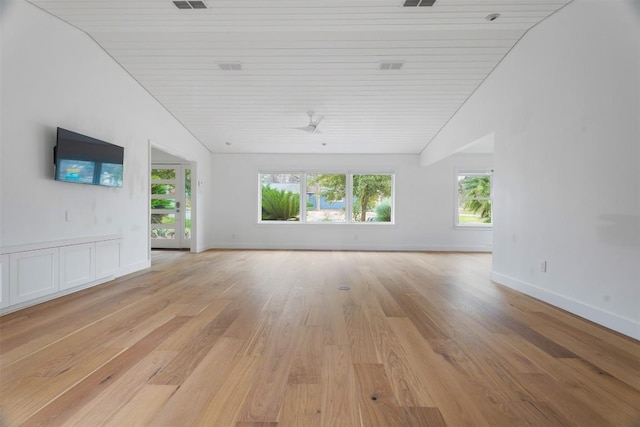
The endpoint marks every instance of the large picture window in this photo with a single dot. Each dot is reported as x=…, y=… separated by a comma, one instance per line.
x=475, y=199
x=326, y=197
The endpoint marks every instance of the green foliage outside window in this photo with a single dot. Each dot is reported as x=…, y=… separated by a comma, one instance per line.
x=368, y=191
x=475, y=195
x=280, y=205
x=383, y=211
x=163, y=204
x=332, y=186
x=169, y=190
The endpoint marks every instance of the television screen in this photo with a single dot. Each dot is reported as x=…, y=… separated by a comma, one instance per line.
x=75, y=171
x=111, y=174
x=85, y=160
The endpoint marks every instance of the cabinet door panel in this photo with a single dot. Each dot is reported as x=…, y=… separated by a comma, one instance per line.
x=32, y=274
x=77, y=265
x=107, y=258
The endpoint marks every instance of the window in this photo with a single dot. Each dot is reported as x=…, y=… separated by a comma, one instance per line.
x=280, y=196
x=328, y=197
x=475, y=199
x=371, y=198
x=187, y=204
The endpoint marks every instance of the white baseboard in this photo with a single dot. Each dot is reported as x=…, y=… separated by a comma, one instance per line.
x=351, y=247
x=607, y=319
x=45, y=298
x=122, y=272
x=132, y=268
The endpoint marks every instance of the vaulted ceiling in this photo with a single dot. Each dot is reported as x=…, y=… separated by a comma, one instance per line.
x=297, y=56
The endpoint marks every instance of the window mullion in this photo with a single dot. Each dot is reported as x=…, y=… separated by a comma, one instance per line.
x=348, y=194
x=303, y=198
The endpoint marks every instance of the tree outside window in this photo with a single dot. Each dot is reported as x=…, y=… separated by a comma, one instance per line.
x=327, y=197
x=474, y=199
x=372, y=198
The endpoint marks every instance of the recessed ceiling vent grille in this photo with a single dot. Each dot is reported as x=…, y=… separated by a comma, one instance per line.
x=413, y=3
x=190, y=4
x=230, y=67
x=388, y=65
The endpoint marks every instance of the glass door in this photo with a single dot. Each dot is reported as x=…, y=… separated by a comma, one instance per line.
x=170, y=206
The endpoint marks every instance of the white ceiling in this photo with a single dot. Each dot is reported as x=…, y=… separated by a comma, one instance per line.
x=301, y=55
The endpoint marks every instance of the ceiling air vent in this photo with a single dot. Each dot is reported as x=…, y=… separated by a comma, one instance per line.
x=182, y=4
x=190, y=4
x=413, y=3
x=234, y=66
x=198, y=4
x=388, y=65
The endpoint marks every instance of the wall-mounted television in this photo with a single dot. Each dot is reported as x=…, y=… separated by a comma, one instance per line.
x=85, y=160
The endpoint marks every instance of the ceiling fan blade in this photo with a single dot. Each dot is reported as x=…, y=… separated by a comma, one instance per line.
x=312, y=127
x=308, y=128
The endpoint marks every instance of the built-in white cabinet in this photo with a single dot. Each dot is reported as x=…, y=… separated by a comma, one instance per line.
x=107, y=258
x=4, y=277
x=77, y=265
x=32, y=274
x=38, y=272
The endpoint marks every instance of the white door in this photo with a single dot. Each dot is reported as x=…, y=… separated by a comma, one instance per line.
x=170, y=206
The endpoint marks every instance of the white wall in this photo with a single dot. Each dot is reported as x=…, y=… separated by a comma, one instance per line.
x=158, y=156
x=564, y=109
x=424, y=199
x=54, y=75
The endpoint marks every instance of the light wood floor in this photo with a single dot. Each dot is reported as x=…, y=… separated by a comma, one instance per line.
x=266, y=338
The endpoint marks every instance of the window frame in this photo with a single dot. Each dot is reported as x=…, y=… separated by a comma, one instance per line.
x=458, y=199
x=304, y=184
x=302, y=208
x=348, y=198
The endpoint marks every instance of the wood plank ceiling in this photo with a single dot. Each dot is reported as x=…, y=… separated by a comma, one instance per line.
x=298, y=56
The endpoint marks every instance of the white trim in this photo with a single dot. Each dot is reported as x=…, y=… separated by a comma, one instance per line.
x=474, y=227
x=326, y=223
x=150, y=146
x=351, y=247
x=179, y=208
x=456, y=199
x=186, y=163
x=302, y=199
x=49, y=297
x=133, y=268
x=121, y=272
x=604, y=318
x=348, y=193
x=195, y=188
x=57, y=243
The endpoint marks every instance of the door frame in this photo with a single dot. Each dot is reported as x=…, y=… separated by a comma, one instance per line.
x=193, y=165
x=179, y=211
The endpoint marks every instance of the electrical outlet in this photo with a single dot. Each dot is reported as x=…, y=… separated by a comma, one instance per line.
x=543, y=266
